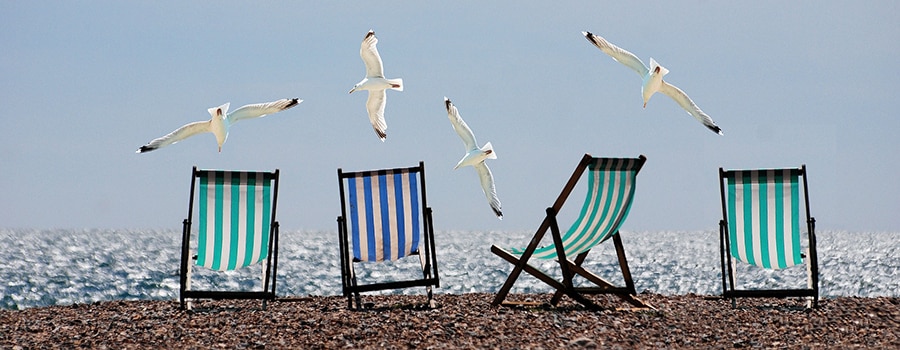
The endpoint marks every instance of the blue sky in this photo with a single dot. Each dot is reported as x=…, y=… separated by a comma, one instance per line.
x=83, y=85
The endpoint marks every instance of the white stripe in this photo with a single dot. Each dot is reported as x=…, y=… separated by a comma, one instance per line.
x=739, y=215
x=376, y=219
x=210, y=219
x=258, y=219
x=242, y=221
x=226, y=223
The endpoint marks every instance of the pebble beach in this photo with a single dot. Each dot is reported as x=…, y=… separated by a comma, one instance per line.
x=465, y=321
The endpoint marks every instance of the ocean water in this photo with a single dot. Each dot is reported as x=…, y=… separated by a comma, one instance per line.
x=60, y=267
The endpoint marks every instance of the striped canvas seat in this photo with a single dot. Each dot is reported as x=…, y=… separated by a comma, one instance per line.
x=236, y=228
x=762, y=218
x=235, y=210
x=610, y=190
x=385, y=217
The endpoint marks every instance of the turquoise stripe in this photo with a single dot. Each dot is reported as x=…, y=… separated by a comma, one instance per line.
x=763, y=221
x=779, y=218
x=202, y=235
x=795, y=215
x=266, y=226
x=251, y=220
x=748, y=216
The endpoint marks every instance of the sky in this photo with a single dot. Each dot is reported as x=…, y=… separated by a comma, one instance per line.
x=83, y=85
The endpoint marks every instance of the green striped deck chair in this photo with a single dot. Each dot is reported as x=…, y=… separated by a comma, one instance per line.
x=385, y=218
x=236, y=228
x=761, y=226
x=610, y=190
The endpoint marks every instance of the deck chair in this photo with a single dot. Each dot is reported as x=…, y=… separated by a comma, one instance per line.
x=761, y=227
x=385, y=217
x=236, y=229
x=610, y=191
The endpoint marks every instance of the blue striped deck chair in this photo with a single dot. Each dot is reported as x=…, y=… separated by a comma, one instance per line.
x=236, y=229
x=385, y=217
x=762, y=227
x=610, y=190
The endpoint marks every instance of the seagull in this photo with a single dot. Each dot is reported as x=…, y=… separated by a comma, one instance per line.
x=475, y=157
x=220, y=122
x=652, y=79
x=375, y=83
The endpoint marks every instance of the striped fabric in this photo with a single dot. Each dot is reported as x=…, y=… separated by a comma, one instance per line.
x=606, y=205
x=235, y=213
x=384, y=214
x=764, y=217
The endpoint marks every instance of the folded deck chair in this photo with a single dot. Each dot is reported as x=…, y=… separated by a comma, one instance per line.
x=761, y=226
x=236, y=229
x=385, y=217
x=610, y=191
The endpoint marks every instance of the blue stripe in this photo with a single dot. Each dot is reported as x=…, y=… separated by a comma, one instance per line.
x=414, y=202
x=370, y=221
x=354, y=217
x=400, y=215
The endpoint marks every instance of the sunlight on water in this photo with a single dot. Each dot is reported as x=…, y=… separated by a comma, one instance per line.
x=53, y=267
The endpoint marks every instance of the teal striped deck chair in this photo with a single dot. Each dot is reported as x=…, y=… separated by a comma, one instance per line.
x=236, y=229
x=385, y=218
x=610, y=190
x=761, y=227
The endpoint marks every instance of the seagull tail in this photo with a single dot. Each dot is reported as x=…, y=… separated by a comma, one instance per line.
x=489, y=149
x=396, y=84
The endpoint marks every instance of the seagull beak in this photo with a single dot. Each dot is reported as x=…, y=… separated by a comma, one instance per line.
x=352, y=90
x=220, y=149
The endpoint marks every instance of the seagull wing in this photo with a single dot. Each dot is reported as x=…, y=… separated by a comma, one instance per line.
x=487, y=185
x=375, y=105
x=465, y=133
x=685, y=102
x=179, y=134
x=370, y=56
x=620, y=55
x=261, y=109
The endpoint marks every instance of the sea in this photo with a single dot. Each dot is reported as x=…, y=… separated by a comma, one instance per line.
x=44, y=267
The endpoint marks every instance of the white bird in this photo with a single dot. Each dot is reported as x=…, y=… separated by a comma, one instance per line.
x=375, y=83
x=652, y=79
x=220, y=122
x=475, y=156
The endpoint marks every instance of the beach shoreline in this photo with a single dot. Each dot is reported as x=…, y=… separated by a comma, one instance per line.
x=461, y=321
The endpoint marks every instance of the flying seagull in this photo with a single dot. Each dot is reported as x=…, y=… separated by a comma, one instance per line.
x=652, y=79
x=220, y=122
x=375, y=83
x=475, y=156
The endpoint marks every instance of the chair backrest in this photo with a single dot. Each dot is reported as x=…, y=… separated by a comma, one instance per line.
x=236, y=211
x=762, y=209
x=383, y=209
x=607, y=202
